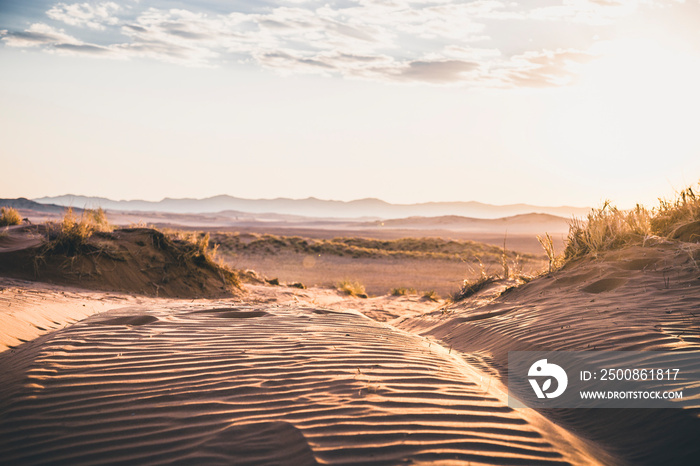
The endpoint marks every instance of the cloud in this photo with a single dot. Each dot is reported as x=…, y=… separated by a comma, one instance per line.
x=430, y=41
x=593, y=12
x=54, y=40
x=38, y=34
x=83, y=49
x=437, y=71
x=545, y=68
x=93, y=16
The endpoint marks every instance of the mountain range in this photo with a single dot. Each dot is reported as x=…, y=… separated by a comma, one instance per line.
x=312, y=207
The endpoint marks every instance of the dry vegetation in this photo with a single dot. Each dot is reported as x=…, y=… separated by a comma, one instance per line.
x=352, y=288
x=398, y=266
x=548, y=246
x=364, y=248
x=402, y=291
x=471, y=287
x=70, y=236
x=9, y=216
x=610, y=228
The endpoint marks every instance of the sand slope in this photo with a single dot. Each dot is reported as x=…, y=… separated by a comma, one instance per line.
x=258, y=384
x=638, y=298
x=29, y=310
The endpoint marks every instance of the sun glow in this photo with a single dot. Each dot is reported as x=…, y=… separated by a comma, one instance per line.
x=642, y=80
x=634, y=106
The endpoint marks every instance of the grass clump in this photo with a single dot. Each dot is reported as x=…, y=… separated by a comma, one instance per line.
x=201, y=253
x=198, y=249
x=671, y=215
x=70, y=236
x=548, y=246
x=472, y=287
x=196, y=246
x=402, y=291
x=431, y=295
x=610, y=228
x=352, y=288
x=607, y=228
x=9, y=216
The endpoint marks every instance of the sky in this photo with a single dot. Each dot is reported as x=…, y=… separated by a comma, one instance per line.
x=543, y=102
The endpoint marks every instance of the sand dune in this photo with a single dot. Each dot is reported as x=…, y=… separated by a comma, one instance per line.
x=634, y=299
x=258, y=384
x=136, y=260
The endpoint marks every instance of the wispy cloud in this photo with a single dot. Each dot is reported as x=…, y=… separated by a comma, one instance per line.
x=52, y=39
x=429, y=41
x=94, y=16
x=546, y=68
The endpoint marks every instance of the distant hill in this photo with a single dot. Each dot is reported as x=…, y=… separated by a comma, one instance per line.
x=26, y=204
x=523, y=223
x=312, y=207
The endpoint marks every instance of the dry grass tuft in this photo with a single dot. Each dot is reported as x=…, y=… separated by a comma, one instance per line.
x=352, y=288
x=607, y=228
x=431, y=295
x=548, y=246
x=9, y=216
x=470, y=288
x=504, y=262
x=197, y=249
x=610, y=228
x=402, y=291
x=671, y=215
x=71, y=235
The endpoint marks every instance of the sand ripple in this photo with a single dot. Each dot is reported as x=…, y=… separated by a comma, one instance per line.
x=257, y=385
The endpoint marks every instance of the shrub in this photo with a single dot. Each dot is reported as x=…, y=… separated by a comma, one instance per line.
x=352, y=288
x=9, y=216
x=431, y=295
